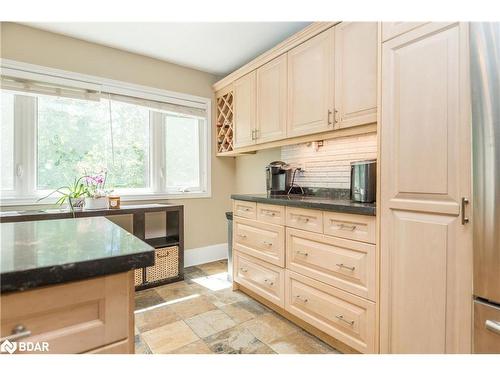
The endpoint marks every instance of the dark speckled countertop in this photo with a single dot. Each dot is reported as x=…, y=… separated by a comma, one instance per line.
x=37, y=253
x=313, y=202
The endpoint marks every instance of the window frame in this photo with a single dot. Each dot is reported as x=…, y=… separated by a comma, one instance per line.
x=25, y=127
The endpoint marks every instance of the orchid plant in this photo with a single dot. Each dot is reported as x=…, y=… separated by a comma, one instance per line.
x=95, y=185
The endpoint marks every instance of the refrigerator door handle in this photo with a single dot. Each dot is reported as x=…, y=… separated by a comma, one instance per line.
x=493, y=326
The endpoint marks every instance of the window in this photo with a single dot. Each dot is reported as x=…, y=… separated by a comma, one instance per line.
x=149, y=148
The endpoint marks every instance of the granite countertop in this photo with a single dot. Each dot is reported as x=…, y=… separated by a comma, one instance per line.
x=313, y=202
x=37, y=253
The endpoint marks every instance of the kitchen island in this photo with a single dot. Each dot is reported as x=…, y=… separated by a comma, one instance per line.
x=70, y=283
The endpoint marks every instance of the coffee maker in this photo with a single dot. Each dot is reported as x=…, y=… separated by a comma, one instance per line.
x=278, y=178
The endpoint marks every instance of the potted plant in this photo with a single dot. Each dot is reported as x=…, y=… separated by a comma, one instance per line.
x=73, y=193
x=96, y=197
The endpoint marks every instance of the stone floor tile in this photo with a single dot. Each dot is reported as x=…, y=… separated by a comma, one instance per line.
x=197, y=347
x=154, y=318
x=147, y=298
x=300, y=343
x=140, y=346
x=193, y=272
x=269, y=327
x=210, y=322
x=179, y=290
x=169, y=337
x=238, y=311
x=193, y=306
x=213, y=268
x=236, y=341
x=227, y=296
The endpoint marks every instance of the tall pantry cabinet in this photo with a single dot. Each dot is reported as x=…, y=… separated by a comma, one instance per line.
x=426, y=240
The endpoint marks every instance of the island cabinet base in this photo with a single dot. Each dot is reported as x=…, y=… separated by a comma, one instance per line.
x=89, y=316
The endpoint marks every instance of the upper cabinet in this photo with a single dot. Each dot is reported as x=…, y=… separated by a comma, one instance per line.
x=310, y=86
x=355, y=74
x=244, y=110
x=320, y=83
x=271, y=100
x=393, y=29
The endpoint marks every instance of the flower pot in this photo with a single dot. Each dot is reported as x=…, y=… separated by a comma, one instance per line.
x=96, y=203
x=77, y=203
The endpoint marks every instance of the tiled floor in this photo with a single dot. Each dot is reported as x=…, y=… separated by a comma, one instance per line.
x=202, y=315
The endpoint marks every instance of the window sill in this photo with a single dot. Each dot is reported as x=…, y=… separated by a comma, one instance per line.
x=33, y=201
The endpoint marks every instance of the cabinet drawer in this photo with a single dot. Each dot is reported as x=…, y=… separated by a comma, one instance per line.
x=245, y=209
x=352, y=227
x=74, y=317
x=345, y=264
x=261, y=277
x=261, y=240
x=341, y=315
x=270, y=213
x=300, y=218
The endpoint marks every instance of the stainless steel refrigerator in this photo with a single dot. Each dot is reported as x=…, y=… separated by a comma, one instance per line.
x=485, y=85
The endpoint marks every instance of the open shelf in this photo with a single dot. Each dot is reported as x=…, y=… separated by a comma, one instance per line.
x=224, y=122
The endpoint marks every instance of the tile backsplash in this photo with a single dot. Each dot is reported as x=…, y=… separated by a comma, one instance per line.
x=329, y=166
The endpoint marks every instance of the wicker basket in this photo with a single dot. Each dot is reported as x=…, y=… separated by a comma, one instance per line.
x=138, y=276
x=166, y=264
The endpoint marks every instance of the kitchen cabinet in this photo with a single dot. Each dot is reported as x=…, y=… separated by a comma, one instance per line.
x=284, y=256
x=426, y=241
x=310, y=86
x=75, y=317
x=356, y=62
x=244, y=110
x=271, y=100
x=393, y=29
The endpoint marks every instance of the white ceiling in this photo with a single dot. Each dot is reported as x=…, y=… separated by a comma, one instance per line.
x=217, y=48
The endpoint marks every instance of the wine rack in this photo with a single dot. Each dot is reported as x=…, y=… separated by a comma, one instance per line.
x=224, y=123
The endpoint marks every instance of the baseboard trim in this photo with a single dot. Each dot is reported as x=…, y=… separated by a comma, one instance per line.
x=206, y=254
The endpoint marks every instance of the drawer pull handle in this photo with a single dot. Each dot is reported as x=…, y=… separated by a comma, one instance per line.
x=493, y=326
x=303, y=299
x=306, y=219
x=267, y=243
x=242, y=235
x=341, y=317
x=342, y=265
x=245, y=209
x=19, y=332
x=304, y=253
x=345, y=226
x=243, y=269
x=269, y=282
x=270, y=213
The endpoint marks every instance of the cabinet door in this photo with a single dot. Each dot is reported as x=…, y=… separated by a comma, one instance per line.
x=355, y=73
x=426, y=251
x=310, y=86
x=393, y=29
x=271, y=100
x=244, y=110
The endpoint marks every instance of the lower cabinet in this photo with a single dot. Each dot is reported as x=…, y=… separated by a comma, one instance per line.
x=327, y=282
x=75, y=317
x=263, y=278
x=342, y=315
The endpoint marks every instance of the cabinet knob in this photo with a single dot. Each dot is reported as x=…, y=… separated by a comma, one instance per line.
x=17, y=333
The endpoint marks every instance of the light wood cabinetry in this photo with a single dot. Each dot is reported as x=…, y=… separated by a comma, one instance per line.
x=327, y=284
x=245, y=209
x=345, y=264
x=393, y=29
x=261, y=277
x=355, y=74
x=271, y=100
x=342, y=315
x=353, y=227
x=261, y=240
x=310, y=86
x=302, y=218
x=244, y=110
x=319, y=84
x=75, y=317
x=426, y=257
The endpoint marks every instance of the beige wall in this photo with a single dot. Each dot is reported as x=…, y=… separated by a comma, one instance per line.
x=250, y=171
x=204, y=218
